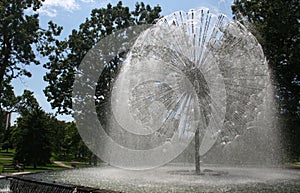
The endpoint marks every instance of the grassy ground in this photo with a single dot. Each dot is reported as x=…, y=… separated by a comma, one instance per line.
x=294, y=165
x=7, y=158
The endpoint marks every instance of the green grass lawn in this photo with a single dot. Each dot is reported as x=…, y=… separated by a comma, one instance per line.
x=43, y=168
x=294, y=165
x=9, y=154
x=7, y=158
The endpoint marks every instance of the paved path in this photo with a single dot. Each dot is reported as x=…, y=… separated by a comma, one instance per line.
x=6, y=158
x=59, y=163
x=13, y=174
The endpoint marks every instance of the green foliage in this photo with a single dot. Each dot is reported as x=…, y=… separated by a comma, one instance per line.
x=26, y=103
x=32, y=141
x=8, y=101
x=31, y=136
x=6, y=158
x=74, y=145
x=20, y=33
x=276, y=24
x=65, y=56
x=57, y=135
x=66, y=141
x=21, y=38
x=39, y=132
x=7, y=142
x=291, y=136
x=22, y=104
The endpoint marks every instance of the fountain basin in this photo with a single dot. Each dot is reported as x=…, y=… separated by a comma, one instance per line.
x=181, y=178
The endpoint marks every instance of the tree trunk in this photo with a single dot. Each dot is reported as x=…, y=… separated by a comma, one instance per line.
x=95, y=160
x=90, y=159
x=197, y=154
x=5, y=62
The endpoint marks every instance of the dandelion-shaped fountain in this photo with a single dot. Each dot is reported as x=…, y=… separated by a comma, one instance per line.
x=192, y=75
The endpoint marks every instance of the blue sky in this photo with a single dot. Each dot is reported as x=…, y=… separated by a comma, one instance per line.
x=71, y=13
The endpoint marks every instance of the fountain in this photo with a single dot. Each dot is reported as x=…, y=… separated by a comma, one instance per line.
x=194, y=86
x=192, y=76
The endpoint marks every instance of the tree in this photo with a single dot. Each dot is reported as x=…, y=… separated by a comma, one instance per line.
x=20, y=36
x=7, y=139
x=57, y=135
x=74, y=145
x=8, y=102
x=65, y=56
x=66, y=141
x=276, y=25
x=20, y=33
x=26, y=103
x=32, y=141
x=31, y=136
x=22, y=104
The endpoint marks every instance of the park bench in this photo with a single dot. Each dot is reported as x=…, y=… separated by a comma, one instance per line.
x=12, y=167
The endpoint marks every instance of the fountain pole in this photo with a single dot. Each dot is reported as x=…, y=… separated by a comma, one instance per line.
x=197, y=154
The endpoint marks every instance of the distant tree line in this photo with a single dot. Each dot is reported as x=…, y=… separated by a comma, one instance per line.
x=37, y=136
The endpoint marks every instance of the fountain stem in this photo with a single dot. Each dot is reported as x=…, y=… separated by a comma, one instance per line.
x=197, y=154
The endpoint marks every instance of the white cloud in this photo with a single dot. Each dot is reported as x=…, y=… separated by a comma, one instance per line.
x=66, y=4
x=50, y=7
x=50, y=12
x=226, y=1
x=88, y=1
x=104, y=3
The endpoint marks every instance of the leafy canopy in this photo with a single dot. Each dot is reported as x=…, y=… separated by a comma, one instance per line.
x=20, y=35
x=65, y=56
x=276, y=24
